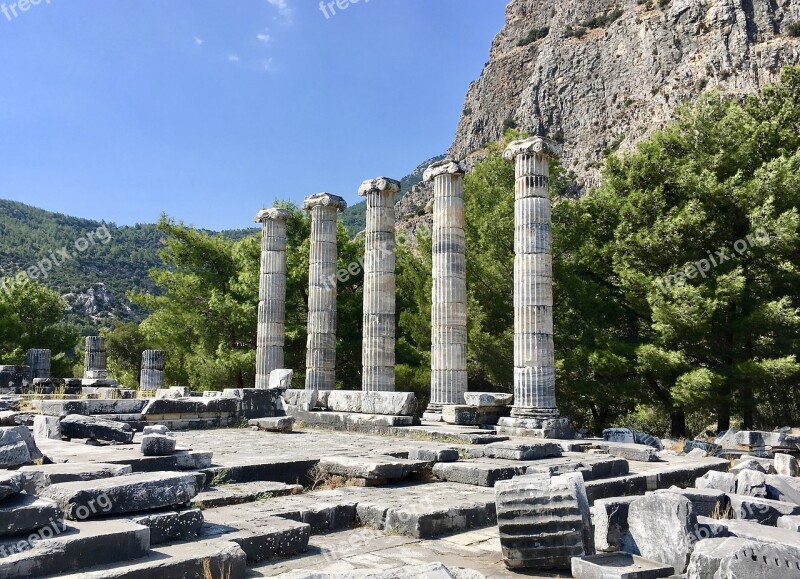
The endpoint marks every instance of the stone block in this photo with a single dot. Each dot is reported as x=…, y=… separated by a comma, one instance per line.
x=764, y=511
x=262, y=540
x=751, y=483
x=345, y=401
x=477, y=473
x=79, y=426
x=544, y=522
x=47, y=427
x=10, y=484
x=303, y=399
x=747, y=464
x=434, y=455
x=789, y=522
x=618, y=566
x=370, y=468
x=23, y=513
x=721, y=481
x=155, y=429
x=192, y=460
x=526, y=451
x=621, y=435
x=157, y=445
x=389, y=403
x=281, y=379
x=253, y=402
x=786, y=465
x=170, y=525
x=635, y=452
x=281, y=424
x=460, y=415
x=173, y=392
x=126, y=494
x=762, y=560
x=13, y=449
x=707, y=502
x=488, y=399
x=708, y=448
x=610, y=518
x=36, y=478
x=551, y=428
x=783, y=488
x=709, y=553
x=662, y=527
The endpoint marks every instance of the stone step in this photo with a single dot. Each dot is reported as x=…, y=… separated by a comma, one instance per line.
x=58, y=451
x=170, y=525
x=39, y=477
x=238, y=493
x=124, y=494
x=78, y=545
x=214, y=559
x=372, y=469
x=289, y=471
x=753, y=531
x=23, y=513
x=518, y=451
x=262, y=539
x=618, y=565
x=637, y=452
x=11, y=483
x=89, y=407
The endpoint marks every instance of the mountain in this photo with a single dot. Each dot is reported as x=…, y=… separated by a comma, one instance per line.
x=600, y=75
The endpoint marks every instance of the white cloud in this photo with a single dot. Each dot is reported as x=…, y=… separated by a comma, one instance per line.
x=264, y=36
x=234, y=58
x=283, y=8
x=268, y=64
x=198, y=41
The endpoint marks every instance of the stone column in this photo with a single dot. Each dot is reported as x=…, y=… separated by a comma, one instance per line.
x=95, y=366
x=39, y=362
x=379, y=285
x=449, y=306
x=321, y=353
x=152, y=376
x=534, y=357
x=271, y=295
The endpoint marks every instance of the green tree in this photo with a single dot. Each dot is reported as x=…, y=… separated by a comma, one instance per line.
x=125, y=343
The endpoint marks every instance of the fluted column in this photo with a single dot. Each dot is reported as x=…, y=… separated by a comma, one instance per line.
x=321, y=352
x=39, y=363
x=95, y=366
x=449, y=307
x=271, y=295
x=534, y=357
x=379, y=285
x=152, y=376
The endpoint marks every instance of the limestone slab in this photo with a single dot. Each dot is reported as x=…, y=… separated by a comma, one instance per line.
x=79, y=426
x=662, y=528
x=618, y=566
x=526, y=451
x=39, y=477
x=23, y=513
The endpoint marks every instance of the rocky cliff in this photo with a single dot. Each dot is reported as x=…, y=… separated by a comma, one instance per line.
x=599, y=75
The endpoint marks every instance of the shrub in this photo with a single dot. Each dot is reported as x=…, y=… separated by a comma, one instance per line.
x=794, y=29
x=534, y=35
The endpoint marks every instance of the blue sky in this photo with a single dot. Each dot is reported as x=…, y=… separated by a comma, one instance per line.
x=209, y=109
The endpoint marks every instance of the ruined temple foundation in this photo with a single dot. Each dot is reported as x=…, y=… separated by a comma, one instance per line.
x=534, y=412
x=321, y=352
x=271, y=295
x=39, y=363
x=379, y=286
x=152, y=375
x=449, y=305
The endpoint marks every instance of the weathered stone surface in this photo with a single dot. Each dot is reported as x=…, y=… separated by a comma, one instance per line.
x=759, y=509
x=786, y=465
x=783, y=488
x=789, y=522
x=253, y=402
x=78, y=426
x=10, y=484
x=281, y=379
x=155, y=429
x=610, y=520
x=13, y=449
x=647, y=439
x=170, y=525
x=370, y=468
x=618, y=566
x=709, y=553
x=23, y=513
x=90, y=407
x=15, y=379
x=721, y=481
x=707, y=447
x=434, y=455
x=621, y=435
x=39, y=477
x=158, y=445
x=488, y=399
x=303, y=399
x=237, y=493
x=261, y=540
x=663, y=528
x=747, y=464
x=281, y=424
x=762, y=560
x=389, y=403
x=460, y=414
x=551, y=428
x=707, y=502
x=80, y=545
x=47, y=427
x=126, y=494
x=173, y=393
x=637, y=452
x=477, y=472
x=345, y=401
x=544, y=522
x=526, y=451
x=230, y=406
x=751, y=483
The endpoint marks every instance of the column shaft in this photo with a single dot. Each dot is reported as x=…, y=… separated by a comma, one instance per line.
x=95, y=366
x=39, y=362
x=152, y=375
x=271, y=333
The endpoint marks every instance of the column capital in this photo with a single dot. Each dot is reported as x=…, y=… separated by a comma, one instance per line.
x=444, y=167
x=533, y=146
x=324, y=200
x=272, y=214
x=380, y=184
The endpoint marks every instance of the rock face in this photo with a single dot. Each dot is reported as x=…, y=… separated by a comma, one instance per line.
x=543, y=521
x=612, y=86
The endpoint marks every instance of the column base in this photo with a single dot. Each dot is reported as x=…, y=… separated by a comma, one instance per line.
x=433, y=413
x=541, y=427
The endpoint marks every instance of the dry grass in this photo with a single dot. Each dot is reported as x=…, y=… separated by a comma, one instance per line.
x=320, y=480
